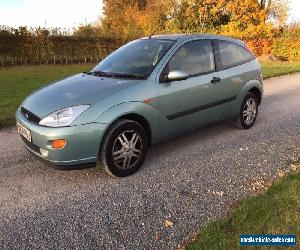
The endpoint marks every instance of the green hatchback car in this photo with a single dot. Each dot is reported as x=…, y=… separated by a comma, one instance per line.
x=146, y=91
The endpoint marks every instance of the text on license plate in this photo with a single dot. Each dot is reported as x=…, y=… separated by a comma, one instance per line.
x=24, y=132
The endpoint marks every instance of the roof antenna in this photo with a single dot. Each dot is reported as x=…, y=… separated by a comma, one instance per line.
x=152, y=34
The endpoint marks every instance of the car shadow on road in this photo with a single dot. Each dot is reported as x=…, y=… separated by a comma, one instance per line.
x=183, y=141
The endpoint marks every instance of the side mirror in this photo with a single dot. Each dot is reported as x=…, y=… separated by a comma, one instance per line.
x=177, y=75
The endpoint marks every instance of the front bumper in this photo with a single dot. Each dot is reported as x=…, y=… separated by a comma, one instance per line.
x=82, y=146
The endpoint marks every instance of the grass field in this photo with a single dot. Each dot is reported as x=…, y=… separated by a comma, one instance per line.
x=276, y=211
x=272, y=69
x=18, y=82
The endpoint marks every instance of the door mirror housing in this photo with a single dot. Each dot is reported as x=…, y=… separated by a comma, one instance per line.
x=177, y=75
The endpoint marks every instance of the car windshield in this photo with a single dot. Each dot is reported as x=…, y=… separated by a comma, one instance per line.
x=136, y=59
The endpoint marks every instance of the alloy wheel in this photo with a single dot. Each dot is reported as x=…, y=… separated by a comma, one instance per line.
x=127, y=149
x=249, y=111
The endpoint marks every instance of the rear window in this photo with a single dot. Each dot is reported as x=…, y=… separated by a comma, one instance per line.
x=233, y=54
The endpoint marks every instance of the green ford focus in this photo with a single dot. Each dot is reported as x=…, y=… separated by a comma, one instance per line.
x=146, y=91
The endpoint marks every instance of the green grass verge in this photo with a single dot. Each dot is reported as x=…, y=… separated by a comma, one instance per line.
x=276, y=211
x=272, y=69
x=18, y=82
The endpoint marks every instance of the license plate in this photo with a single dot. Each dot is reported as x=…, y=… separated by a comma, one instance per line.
x=24, y=132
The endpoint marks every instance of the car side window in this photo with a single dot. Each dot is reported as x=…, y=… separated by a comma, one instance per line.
x=233, y=54
x=195, y=58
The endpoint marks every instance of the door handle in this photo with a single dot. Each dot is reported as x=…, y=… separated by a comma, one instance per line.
x=216, y=80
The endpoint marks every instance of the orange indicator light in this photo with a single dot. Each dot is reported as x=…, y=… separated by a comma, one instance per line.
x=58, y=144
x=148, y=101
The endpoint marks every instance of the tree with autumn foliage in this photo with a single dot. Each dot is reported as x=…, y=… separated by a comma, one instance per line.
x=276, y=10
x=248, y=18
x=132, y=18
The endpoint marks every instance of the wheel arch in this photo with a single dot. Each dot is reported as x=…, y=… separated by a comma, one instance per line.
x=147, y=115
x=258, y=94
x=253, y=86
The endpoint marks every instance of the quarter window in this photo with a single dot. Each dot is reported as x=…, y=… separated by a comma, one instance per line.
x=233, y=54
x=195, y=58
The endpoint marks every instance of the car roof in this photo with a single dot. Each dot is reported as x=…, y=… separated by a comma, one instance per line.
x=182, y=37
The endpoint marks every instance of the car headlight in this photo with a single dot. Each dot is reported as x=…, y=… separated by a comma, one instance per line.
x=63, y=117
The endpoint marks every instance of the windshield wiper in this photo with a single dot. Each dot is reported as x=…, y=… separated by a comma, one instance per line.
x=128, y=75
x=117, y=75
x=99, y=73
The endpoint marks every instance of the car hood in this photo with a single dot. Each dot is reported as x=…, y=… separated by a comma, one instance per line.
x=72, y=91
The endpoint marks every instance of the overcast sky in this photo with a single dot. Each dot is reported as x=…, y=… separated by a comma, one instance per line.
x=56, y=13
x=67, y=13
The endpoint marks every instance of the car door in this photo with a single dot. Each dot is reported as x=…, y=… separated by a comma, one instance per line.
x=190, y=102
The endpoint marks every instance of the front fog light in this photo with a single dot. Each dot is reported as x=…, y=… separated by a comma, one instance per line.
x=44, y=152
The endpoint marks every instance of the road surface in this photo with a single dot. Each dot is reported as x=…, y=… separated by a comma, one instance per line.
x=188, y=180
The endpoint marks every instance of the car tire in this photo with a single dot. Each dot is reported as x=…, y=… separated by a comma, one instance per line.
x=124, y=148
x=248, y=112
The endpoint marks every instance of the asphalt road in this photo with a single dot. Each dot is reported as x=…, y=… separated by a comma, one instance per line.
x=188, y=180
